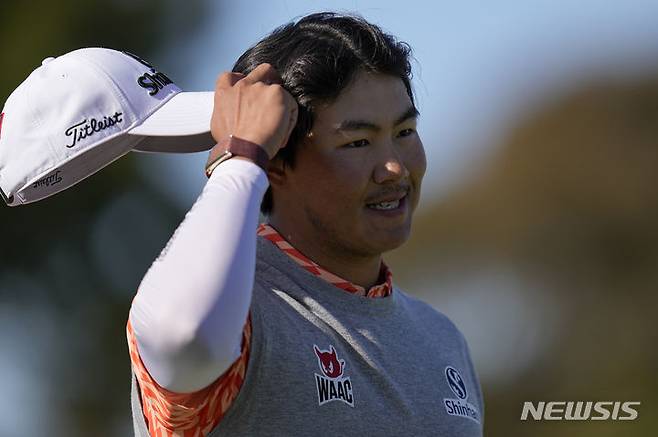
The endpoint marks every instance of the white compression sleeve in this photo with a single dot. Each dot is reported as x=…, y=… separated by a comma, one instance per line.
x=191, y=307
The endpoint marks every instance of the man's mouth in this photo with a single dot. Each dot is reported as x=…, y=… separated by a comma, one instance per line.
x=384, y=206
x=390, y=204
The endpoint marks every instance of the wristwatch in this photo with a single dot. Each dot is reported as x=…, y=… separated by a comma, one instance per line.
x=235, y=146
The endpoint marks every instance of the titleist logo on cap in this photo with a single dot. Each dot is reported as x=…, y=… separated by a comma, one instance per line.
x=52, y=179
x=85, y=128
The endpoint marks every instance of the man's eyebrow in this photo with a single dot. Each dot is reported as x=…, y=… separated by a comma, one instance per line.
x=352, y=125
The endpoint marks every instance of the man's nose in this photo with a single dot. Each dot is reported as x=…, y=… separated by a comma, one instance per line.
x=391, y=169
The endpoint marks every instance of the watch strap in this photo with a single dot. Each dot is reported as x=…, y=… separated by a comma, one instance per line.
x=235, y=146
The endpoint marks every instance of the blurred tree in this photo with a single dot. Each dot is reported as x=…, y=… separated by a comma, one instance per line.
x=60, y=257
x=570, y=200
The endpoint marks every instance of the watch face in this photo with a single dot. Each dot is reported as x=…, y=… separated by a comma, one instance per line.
x=221, y=158
x=224, y=156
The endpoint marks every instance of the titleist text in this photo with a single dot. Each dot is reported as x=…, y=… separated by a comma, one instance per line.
x=85, y=128
x=52, y=179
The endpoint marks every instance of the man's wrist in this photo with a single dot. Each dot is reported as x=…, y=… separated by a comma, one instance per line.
x=234, y=147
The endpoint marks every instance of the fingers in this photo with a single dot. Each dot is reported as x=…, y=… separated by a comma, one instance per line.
x=264, y=73
x=292, y=121
x=255, y=107
x=228, y=79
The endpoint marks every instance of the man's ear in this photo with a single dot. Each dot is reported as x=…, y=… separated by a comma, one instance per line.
x=276, y=171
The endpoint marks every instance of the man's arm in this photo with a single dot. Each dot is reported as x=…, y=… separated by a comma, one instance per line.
x=191, y=307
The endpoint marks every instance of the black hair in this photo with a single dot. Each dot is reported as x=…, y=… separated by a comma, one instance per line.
x=317, y=57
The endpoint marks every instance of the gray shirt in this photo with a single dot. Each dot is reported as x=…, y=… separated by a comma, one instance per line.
x=324, y=361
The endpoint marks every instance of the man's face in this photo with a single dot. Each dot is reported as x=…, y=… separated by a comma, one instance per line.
x=357, y=176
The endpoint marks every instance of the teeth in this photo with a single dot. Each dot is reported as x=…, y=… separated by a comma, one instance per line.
x=385, y=205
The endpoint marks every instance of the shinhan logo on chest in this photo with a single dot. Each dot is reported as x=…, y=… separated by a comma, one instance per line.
x=459, y=406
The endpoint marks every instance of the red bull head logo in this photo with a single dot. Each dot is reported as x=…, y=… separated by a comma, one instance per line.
x=332, y=385
x=329, y=363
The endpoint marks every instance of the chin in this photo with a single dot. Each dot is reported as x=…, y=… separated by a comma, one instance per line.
x=387, y=240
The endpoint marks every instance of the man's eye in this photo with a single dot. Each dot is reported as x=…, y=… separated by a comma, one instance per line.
x=357, y=143
x=406, y=132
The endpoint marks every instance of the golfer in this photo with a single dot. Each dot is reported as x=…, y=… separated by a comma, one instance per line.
x=294, y=326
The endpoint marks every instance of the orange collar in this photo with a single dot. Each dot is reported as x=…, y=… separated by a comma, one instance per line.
x=381, y=290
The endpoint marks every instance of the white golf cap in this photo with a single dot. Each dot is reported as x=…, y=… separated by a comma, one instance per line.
x=79, y=112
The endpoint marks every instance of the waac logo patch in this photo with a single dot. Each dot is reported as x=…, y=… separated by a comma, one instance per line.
x=332, y=385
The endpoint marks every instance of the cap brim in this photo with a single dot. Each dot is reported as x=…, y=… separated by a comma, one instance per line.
x=181, y=125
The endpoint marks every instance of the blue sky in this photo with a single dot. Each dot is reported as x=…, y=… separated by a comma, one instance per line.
x=479, y=65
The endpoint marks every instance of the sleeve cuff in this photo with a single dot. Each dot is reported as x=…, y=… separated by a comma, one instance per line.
x=244, y=168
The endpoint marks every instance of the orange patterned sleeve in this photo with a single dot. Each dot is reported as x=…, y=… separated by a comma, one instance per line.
x=170, y=414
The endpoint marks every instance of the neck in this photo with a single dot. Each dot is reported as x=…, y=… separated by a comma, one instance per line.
x=362, y=270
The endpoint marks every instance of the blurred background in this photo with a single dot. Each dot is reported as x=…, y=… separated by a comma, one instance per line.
x=537, y=233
